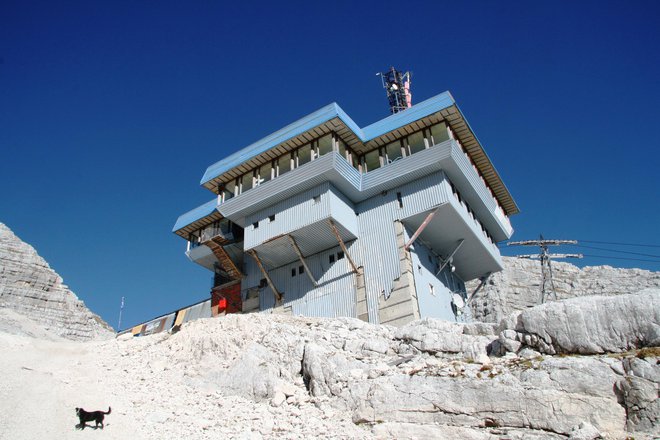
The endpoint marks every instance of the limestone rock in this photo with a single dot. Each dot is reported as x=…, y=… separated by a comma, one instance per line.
x=30, y=287
x=585, y=431
x=517, y=287
x=589, y=325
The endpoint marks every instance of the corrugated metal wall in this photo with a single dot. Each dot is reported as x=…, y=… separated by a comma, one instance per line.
x=335, y=294
x=291, y=214
x=377, y=242
x=343, y=210
x=434, y=302
x=200, y=310
x=473, y=176
x=302, y=210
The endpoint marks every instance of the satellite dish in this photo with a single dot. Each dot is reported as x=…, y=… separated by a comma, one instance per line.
x=458, y=300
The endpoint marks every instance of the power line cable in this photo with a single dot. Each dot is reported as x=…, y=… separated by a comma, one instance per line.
x=614, y=250
x=620, y=244
x=621, y=258
x=616, y=243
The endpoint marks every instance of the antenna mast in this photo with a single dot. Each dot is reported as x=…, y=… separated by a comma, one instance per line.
x=397, y=86
x=121, y=309
x=547, y=283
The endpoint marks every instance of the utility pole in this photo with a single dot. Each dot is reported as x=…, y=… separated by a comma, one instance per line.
x=547, y=283
x=121, y=309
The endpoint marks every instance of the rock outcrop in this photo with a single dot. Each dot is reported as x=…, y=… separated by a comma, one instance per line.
x=517, y=287
x=30, y=287
x=433, y=379
x=587, y=325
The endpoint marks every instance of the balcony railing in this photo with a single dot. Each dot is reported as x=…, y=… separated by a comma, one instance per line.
x=219, y=233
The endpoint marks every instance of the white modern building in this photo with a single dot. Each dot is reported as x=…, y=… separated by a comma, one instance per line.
x=323, y=218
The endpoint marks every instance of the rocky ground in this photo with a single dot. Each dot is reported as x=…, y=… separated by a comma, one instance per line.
x=583, y=368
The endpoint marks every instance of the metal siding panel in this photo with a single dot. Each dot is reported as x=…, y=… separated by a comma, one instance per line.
x=291, y=214
x=347, y=171
x=334, y=296
x=473, y=176
x=305, y=177
x=343, y=211
x=438, y=305
x=421, y=195
x=378, y=250
x=169, y=322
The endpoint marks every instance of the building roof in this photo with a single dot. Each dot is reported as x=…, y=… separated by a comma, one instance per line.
x=332, y=117
x=194, y=215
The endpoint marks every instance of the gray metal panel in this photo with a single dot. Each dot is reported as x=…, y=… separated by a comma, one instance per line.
x=201, y=310
x=307, y=176
x=343, y=211
x=291, y=214
x=203, y=256
x=169, y=321
x=378, y=249
x=310, y=239
x=421, y=195
x=334, y=296
x=435, y=304
x=346, y=170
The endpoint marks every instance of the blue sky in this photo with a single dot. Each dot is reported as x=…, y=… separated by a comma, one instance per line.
x=110, y=113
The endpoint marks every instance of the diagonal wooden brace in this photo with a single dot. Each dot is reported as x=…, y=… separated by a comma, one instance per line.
x=421, y=228
x=278, y=295
x=302, y=259
x=343, y=246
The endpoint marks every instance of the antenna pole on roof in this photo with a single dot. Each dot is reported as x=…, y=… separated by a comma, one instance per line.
x=397, y=86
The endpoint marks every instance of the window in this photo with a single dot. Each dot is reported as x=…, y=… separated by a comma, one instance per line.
x=304, y=154
x=246, y=182
x=255, y=225
x=432, y=289
x=325, y=144
x=340, y=255
x=301, y=269
x=393, y=151
x=283, y=164
x=341, y=147
x=271, y=218
x=439, y=133
x=372, y=160
x=331, y=258
x=416, y=142
x=316, y=199
x=293, y=272
x=262, y=282
x=265, y=173
x=229, y=190
x=354, y=160
x=399, y=199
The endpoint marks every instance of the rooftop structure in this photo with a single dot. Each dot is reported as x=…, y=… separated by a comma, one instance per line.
x=323, y=218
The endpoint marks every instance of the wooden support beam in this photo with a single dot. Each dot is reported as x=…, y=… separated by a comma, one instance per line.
x=302, y=259
x=421, y=228
x=343, y=246
x=278, y=295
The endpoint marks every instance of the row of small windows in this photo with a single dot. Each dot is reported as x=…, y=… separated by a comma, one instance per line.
x=271, y=218
x=331, y=259
x=369, y=161
x=282, y=165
